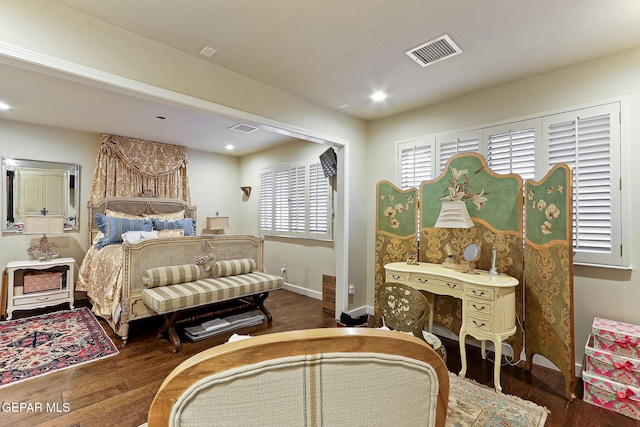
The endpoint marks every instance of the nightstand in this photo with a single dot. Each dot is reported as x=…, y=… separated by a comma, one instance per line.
x=18, y=299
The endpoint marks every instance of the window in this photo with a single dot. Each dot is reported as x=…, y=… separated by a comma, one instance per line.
x=587, y=139
x=295, y=200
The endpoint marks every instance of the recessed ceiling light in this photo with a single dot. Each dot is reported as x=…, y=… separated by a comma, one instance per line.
x=229, y=147
x=4, y=106
x=378, y=96
x=343, y=106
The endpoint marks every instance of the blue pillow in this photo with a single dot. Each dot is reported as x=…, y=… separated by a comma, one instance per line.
x=114, y=227
x=187, y=224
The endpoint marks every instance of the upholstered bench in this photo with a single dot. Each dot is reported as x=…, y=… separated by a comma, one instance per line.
x=172, y=290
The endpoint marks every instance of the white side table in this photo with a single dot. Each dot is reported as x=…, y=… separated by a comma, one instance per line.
x=18, y=300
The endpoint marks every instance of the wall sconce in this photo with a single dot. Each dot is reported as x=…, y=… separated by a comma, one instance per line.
x=43, y=224
x=246, y=191
x=453, y=214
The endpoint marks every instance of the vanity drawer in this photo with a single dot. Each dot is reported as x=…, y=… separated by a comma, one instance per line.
x=474, y=322
x=480, y=292
x=425, y=279
x=480, y=307
x=395, y=276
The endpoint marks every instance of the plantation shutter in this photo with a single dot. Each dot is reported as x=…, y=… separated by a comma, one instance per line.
x=266, y=200
x=511, y=148
x=318, y=200
x=467, y=142
x=297, y=198
x=415, y=164
x=281, y=200
x=588, y=141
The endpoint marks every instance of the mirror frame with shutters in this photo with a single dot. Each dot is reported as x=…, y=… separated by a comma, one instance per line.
x=32, y=186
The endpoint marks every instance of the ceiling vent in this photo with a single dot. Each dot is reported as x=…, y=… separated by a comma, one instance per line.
x=244, y=128
x=434, y=51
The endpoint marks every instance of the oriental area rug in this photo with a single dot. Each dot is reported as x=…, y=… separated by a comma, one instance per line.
x=39, y=345
x=473, y=404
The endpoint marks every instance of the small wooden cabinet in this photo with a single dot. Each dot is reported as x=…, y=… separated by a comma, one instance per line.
x=18, y=299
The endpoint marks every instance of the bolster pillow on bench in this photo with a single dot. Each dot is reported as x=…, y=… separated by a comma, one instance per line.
x=233, y=267
x=172, y=275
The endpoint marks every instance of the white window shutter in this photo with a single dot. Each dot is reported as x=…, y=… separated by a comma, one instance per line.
x=416, y=161
x=319, y=191
x=512, y=148
x=266, y=200
x=584, y=140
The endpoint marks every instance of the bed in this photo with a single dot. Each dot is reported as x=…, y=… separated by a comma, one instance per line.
x=112, y=274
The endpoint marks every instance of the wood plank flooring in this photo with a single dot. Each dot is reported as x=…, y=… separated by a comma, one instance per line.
x=118, y=391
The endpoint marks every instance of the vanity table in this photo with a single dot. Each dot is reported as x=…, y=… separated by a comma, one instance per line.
x=488, y=302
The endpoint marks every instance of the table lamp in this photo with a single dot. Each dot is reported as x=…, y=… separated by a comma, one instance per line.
x=43, y=224
x=453, y=214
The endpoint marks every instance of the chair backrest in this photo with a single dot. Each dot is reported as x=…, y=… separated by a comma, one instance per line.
x=403, y=308
x=316, y=377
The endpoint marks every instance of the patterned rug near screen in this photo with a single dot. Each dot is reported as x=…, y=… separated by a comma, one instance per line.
x=472, y=404
x=39, y=345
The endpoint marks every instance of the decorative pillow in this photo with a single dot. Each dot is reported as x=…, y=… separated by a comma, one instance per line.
x=171, y=216
x=170, y=233
x=186, y=224
x=162, y=276
x=137, y=236
x=109, y=212
x=233, y=267
x=114, y=227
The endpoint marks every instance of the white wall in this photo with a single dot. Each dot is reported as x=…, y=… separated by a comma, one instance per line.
x=607, y=293
x=306, y=260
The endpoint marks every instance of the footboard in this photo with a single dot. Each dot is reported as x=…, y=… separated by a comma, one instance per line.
x=203, y=250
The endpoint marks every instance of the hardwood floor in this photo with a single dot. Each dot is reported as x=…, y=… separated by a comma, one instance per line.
x=118, y=391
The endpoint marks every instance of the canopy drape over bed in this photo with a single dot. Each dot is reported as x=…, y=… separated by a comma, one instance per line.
x=128, y=167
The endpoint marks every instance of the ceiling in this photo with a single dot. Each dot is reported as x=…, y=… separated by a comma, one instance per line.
x=333, y=53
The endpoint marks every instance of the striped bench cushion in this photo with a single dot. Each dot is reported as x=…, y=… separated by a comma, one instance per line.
x=171, y=275
x=232, y=267
x=170, y=298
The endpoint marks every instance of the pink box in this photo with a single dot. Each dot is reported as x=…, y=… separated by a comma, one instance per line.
x=621, y=398
x=610, y=365
x=616, y=337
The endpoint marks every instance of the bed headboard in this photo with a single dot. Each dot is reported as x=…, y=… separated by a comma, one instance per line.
x=142, y=206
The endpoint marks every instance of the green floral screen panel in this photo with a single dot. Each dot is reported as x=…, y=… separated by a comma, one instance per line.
x=548, y=272
x=490, y=197
x=397, y=210
x=494, y=202
x=396, y=228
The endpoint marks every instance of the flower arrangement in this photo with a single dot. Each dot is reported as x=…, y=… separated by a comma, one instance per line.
x=460, y=189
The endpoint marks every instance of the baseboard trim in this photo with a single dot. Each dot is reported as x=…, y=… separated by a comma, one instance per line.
x=302, y=291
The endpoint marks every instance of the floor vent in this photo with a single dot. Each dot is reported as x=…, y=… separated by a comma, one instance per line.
x=244, y=128
x=433, y=51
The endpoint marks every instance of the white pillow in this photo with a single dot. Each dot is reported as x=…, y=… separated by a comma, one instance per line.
x=137, y=236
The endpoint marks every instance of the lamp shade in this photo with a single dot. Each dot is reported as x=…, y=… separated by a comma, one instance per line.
x=217, y=222
x=454, y=214
x=43, y=224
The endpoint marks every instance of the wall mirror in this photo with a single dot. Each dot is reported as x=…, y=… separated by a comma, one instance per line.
x=32, y=187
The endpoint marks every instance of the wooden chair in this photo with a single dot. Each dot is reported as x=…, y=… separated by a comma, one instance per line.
x=320, y=377
x=406, y=309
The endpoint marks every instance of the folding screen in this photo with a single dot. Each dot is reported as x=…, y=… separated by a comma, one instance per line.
x=548, y=272
x=542, y=263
